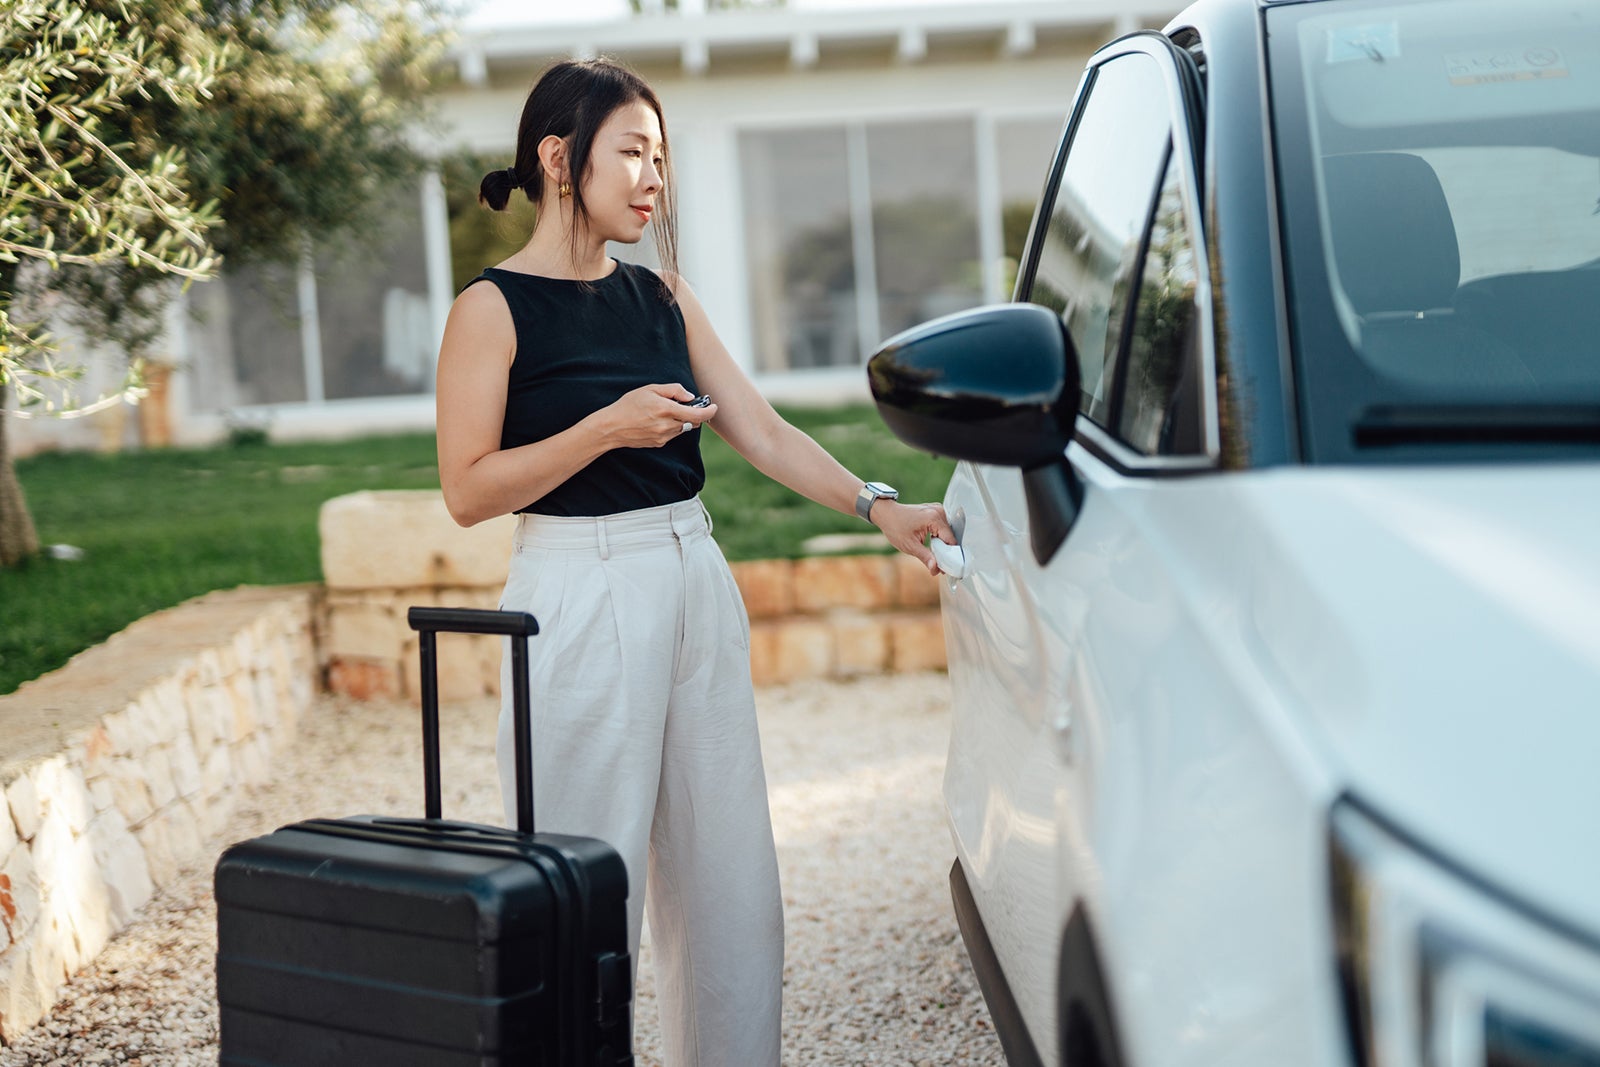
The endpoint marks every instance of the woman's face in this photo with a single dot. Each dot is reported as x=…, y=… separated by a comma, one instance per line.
x=624, y=173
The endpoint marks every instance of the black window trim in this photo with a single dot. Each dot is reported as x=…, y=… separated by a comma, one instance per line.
x=1184, y=98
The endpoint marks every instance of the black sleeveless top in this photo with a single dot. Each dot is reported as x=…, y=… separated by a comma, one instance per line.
x=578, y=349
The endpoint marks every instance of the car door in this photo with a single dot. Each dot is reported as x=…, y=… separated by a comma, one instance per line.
x=1114, y=252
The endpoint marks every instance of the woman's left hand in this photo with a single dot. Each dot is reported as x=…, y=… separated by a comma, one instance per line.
x=908, y=526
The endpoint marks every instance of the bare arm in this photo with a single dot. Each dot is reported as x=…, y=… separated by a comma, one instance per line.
x=479, y=479
x=786, y=454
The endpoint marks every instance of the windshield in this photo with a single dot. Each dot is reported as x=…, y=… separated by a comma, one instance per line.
x=1439, y=172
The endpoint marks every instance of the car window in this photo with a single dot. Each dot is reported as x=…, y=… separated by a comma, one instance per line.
x=1089, y=249
x=1160, y=407
x=1439, y=175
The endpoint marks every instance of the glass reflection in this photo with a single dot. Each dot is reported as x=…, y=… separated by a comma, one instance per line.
x=798, y=240
x=924, y=220
x=1091, y=245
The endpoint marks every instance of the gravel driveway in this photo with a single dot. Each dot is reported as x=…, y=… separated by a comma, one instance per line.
x=875, y=971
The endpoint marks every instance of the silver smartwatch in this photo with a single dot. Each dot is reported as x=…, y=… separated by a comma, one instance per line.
x=870, y=492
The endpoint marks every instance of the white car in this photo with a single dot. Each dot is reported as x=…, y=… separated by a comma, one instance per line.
x=1274, y=626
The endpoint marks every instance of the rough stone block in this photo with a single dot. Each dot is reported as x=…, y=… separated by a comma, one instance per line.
x=400, y=601
x=914, y=587
x=303, y=681
x=216, y=776
x=917, y=642
x=209, y=668
x=187, y=833
x=366, y=627
x=119, y=730
x=20, y=896
x=264, y=694
x=144, y=715
x=71, y=796
x=865, y=582
x=8, y=831
x=26, y=806
x=185, y=767
x=158, y=770
x=169, y=712
x=278, y=659
x=485, y=597
x=861, y=645
x=122, y=865
x=85, y=906
x=127, y=779
x=241, y=720
x=74, y=920
x=790, y=649
x=61, y=793
x=102, y=795
x=208, y=716
x=283, y=696
x=490, y=649
x=52, y=854
x=242, y=650
x=54, y=949
x=764, y=653
x=22, y=1001
x=767, y=586
x=395, y=539
x=363, y=679
x=170, y=841
x=91, y=748
x=252, y=760
x=464, y=673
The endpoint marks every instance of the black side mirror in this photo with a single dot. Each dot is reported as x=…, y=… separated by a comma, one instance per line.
x=993, y=385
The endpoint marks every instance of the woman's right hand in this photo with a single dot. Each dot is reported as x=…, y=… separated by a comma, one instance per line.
x=651, y=415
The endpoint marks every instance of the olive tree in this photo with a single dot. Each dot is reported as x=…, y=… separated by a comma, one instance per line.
x=74, y=191
x=296, y=127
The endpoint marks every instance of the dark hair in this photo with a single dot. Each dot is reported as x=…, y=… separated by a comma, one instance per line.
x=572, y=100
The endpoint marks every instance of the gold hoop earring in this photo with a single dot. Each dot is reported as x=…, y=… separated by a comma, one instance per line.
x=564, y=190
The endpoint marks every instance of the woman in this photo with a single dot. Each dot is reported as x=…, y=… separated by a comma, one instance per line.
x=565, y=392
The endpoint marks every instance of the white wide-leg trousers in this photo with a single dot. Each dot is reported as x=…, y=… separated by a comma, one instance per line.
x=644, y=735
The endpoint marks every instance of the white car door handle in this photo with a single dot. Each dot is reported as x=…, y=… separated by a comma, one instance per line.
x=952, y=559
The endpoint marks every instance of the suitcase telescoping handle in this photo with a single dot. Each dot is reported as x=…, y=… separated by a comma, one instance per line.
x=517, y=625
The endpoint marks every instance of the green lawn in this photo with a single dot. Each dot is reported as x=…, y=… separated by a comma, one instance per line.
x=160, y=527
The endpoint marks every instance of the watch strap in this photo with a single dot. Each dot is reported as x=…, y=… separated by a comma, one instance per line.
x=870, y=492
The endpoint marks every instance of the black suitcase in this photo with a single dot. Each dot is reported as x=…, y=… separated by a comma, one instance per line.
x=372, y=940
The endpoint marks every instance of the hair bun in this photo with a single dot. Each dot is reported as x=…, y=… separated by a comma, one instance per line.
x=495, y=189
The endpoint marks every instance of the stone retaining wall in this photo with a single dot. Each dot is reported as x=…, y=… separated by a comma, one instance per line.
x=826, y=616
x=119, y=768
x=837, y=616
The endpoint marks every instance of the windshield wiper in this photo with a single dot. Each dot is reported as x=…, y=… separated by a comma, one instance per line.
x=1488, y=424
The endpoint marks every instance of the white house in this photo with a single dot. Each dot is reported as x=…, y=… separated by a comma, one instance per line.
x=841, y=175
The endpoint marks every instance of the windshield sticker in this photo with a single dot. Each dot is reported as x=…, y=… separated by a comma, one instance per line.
x=1490, y=68
x=1373, y=41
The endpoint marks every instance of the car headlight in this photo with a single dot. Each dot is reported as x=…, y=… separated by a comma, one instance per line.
x=1439, y=970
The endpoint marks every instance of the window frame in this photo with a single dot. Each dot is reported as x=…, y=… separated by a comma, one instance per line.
x=1186, y=112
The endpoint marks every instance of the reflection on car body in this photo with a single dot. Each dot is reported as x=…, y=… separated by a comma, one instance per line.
x=1276, y=660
